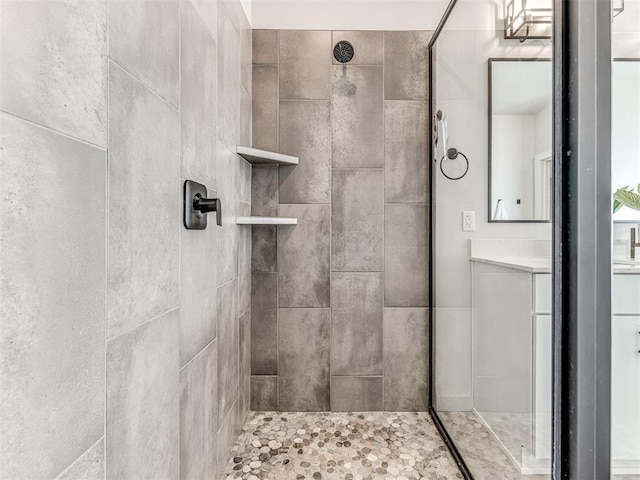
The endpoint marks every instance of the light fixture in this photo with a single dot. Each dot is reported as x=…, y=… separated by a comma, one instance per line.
x=528, y=19
x=618, y=7
x=533, y=19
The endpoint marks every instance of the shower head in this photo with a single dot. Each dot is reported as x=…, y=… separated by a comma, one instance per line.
x=343, y=51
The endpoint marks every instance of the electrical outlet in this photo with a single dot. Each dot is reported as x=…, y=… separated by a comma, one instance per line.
x=468, y=221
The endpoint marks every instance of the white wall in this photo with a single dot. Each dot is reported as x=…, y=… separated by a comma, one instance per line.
x=543, y=130
x=512, y=164
x=347, y=14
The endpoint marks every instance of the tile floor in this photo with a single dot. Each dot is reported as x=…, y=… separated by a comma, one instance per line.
x=331, y=445
x=481, y=451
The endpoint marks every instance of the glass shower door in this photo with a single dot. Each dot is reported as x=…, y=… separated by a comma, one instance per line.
x=625, y=324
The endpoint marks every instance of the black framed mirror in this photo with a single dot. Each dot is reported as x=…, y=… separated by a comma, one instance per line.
x=520, y=140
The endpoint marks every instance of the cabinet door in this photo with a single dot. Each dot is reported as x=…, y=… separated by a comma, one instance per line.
x=625, y=384
x=542, y=386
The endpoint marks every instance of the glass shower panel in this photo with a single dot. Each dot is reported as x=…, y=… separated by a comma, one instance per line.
x=492, y=275
x=625, y=333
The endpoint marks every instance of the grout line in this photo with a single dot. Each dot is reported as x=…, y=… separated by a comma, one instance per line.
x=106, y=249
x=102, y=437
x=146, y=322
x=326, y=100
x=197, y=355
x=180, y=8
x=145, y=86
x=57, y=132
x=277, y=402
x=384, y=224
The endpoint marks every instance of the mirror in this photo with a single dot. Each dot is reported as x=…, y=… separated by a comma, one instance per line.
x=625, y=140
x=520, y=140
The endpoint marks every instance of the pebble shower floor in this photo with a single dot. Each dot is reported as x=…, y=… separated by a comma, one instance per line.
x=330, y=445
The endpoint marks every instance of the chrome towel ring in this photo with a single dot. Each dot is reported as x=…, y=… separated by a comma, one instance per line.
x=452, y=154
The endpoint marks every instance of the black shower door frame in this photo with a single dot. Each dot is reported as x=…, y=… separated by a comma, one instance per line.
x=581, y=242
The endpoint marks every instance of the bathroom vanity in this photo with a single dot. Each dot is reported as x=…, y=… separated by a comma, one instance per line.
x=511, y=300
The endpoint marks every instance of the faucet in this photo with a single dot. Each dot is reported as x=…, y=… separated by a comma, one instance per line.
x=634, y=243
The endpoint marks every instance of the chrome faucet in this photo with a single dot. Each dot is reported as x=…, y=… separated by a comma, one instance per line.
x=634, y=243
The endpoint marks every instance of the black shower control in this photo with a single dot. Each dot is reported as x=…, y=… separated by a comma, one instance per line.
x=196, y=205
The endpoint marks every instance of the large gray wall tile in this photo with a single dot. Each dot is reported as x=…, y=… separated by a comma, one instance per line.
x=244, y=182
x=305, y=132
x=225, y=437
x=199, y=414
x=143, y=401
x=265, y=107
x=367, y=46
x=357, y=119
x=264, y=202
x=208, y=11
x=197, y=308
x=356, y=394
x=55, y=72
x=198, y=94
x=89, y=466
x=228, y=347
x=264, y=191
x=143, y=245
x=305, y=64
x=244, y=263
x=265, y=46
x=303, y=256
x=264, y=324
x=228, y=80
x=406, y=65
x=246, y=54
x=235, y=12
x=356, y=323
x=406, y=359
x=406, y=256
x=357, y=220
x=52, y=355
x=244, y=393
x=264, y=393
x=245, y=118
x=264, y=248
x=406, y=147
x=303, y=380
x=227, y=251
x=144, y=39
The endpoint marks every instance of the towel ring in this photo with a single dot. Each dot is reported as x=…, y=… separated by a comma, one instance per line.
x=452, y=154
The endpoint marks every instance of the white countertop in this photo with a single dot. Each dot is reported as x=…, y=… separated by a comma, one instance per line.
x=541, y=264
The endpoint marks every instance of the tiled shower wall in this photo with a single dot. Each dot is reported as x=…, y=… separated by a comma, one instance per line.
x=340, y=301
x=125, y=337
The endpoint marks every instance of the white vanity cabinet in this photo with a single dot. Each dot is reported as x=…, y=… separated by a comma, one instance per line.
x=625, y=375
x=512, y=303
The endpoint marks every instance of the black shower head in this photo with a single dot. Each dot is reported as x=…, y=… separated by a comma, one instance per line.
x=343, y=51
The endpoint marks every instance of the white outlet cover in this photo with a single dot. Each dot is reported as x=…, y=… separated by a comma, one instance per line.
x=469, y=221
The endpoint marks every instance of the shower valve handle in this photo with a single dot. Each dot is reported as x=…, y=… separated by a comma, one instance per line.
x=206, y=205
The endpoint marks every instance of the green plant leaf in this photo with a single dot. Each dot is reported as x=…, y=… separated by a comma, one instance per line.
x=616, y=206
x=627, y=198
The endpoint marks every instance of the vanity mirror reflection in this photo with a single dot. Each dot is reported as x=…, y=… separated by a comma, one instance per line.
x=520, y=140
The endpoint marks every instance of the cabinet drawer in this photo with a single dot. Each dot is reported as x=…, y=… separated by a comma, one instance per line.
x=542, y=293
x=626, y=294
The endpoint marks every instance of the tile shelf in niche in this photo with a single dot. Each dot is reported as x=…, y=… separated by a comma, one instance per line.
x=266, y=221
x=264, y=157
